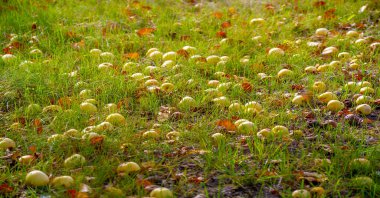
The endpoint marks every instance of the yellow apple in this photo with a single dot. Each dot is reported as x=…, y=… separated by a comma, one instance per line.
x=327, y=96
x=276, y=52
x=65, y=181
x=335, y=105
x=116, y=119
x=161, y=193
x=364, y=109
x=321, y=32
x=128, y=167
x=74, y=161
x=6, y=143
x=87, y=107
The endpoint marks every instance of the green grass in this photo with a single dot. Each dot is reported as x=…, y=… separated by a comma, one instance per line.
x=242, y=164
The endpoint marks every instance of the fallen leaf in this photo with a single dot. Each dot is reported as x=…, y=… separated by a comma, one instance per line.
x=318, y=4
x=185, y=37
x=132, y=55
x=183, y=53
x=226, y=24
x=5, y=188
x=246, y=86
x=143, y=182
x=329, y=14
x=97, y=140
x=217, y=14
x=33, y=149
x=38, y=125
x=227, y=124
x=71, y=193
x=145, y=31
x=221, y=34
x=232, y=11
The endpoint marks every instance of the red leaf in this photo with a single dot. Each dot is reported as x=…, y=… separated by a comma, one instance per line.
x=221, y=34
x=227, y=124
x=5, y=188
x=246, y=86
x=217, y=15
x=319, y=4
x=145, y=31
x=226, y=24
x=329, y=14
x=72, y=193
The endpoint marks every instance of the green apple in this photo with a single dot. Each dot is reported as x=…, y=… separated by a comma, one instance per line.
x=213, y=59
x=363, y=99
x=257, y=21
x=26, y=159
x=167, y=87
x=6, y=143
x=74, y=161
x=187, y=102
x=319, y=86
x=37, y=178
x=51, y=109
x=310, y=69
x=151, y=50
x=283, y=73
x=173, y=135
x=276, y=52
x=95, y=52
x=155, y=55
x=72, y=133
x=8, y=58
x=169, y=56
x=116, y=119
x=87, y=107
x=128, y=167
x=151, y=134
x=107, y=55
x=246, y=127
x=161, y=193
x=255, y=105
x=301, y=194
x=298, y=100
x=235, y=107
x=222, y=101
x=64, y=181
x=85, y=94
x=352, y=34
x=367, y=90
x=280, y=130
x=330, y=51
x=110, y=107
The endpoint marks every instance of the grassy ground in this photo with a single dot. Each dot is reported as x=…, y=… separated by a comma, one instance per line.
x=327, y=150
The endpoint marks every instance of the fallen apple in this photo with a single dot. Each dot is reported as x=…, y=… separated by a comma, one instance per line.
x=8, y=57
x=85, y=94
x=187, y=102
x=246, y=127
x=35, y=52
x=367, y=90
x=173, y=135
x=6, y=143
x=321, y=32
x=280, y=130
x=364, y=99
x=264, y=133
x=319, y=86
x=167, y=87
x=317, y=191
x=74, y=161
x=72, y=133
x=235, y=107
x=26, y=159
x=364, y=109
x=107, y=55
x=87, y=107
x=151, y=50
x=56, y=138
x=352, y=34
x=105, y=66
x=213, y=59
x=218, y=137
x=301, y=194
x=257, y=21
x=161, y=193
x=344, y=56
x=255, y=105
x=310, y=69
x=283, y=73
x=190, y=49
x=169, y=56
x=37, y=178
x=103, y=127
x=276, y=52
x=64, y=181
x=155, y=55
x=110, y=107
x=327, y=96
x=95, y=52
x=116, y=119
x=362, y=182
x=51, y=109
x=298, y=100
x=222, y=101
x=336, y=64
x=128, y=167
x=330, y=51
x=151, y=134
x=335, y=105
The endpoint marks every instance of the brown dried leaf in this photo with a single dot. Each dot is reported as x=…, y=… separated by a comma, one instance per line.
x=329, y=14
x=246, y=86
x=97, y=140
x=318, y=4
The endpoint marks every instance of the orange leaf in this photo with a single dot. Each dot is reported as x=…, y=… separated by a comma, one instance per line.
x=269, y=7
x=145, y=31
x=64, y=101
x=143, y=182
x=33, y=149
x=227, y=124
x=183, y=53
x=133, y=55
x=38, y=125
x=329, y=14
x=246, y=86
x=221, y=34
x=226, y=24
x=217, y=15
x=97, y=140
